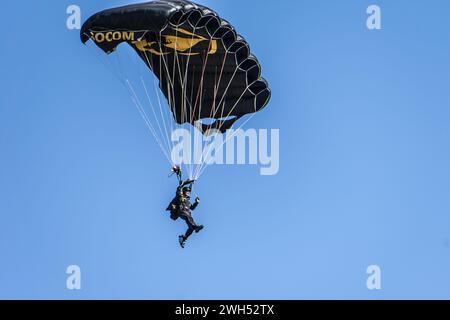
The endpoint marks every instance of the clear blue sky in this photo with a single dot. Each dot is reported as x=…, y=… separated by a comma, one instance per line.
x=364, y=176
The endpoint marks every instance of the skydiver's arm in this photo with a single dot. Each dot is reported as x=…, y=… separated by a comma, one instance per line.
x=195, y=205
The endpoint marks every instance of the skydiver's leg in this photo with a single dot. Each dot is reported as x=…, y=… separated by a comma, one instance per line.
x=197, y=228
x=184, y=238
x=191, y=226
x=190, y=222
x=188, y=233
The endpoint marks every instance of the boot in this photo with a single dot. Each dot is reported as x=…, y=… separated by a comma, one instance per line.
x=182, y=240
x=199, y=228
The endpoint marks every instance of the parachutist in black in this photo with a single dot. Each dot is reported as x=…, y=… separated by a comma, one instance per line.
x=181, y=207
x=158, y=29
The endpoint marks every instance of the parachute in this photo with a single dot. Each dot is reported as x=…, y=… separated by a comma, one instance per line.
x=205, y=70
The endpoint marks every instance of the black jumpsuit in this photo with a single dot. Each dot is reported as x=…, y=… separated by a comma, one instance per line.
x=185, y=213
x=181, y=207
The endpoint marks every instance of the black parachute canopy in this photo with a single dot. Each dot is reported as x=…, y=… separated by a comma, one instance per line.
x=205, y=69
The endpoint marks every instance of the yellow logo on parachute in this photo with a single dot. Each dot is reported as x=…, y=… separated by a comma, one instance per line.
x=183, y=45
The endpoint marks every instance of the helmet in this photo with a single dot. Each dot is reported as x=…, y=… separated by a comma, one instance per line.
x=187, y=189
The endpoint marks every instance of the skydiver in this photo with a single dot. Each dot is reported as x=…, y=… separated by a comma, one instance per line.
x=181, y=207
